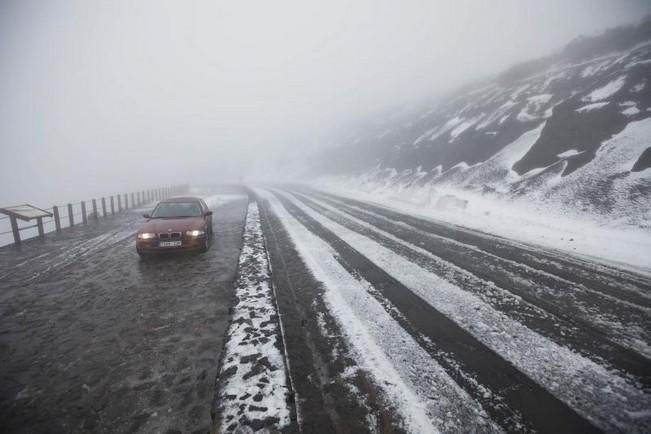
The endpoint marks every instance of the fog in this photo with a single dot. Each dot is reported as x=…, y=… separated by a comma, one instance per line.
x=100, y=97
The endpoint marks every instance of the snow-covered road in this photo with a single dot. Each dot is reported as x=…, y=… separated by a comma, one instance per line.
x=452, y=329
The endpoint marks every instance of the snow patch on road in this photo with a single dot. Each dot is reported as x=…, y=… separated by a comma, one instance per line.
x=253, y=388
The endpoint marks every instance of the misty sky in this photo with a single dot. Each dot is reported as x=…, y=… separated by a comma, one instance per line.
x=98, y=97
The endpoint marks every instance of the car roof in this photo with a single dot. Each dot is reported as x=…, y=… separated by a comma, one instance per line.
x=182, y=199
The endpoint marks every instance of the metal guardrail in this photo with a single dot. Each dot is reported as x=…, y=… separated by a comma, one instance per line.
x=102, y=208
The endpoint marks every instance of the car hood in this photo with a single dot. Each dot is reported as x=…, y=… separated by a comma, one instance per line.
x=172, y=225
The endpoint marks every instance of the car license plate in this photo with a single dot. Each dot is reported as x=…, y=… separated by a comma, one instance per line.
x=170, y=244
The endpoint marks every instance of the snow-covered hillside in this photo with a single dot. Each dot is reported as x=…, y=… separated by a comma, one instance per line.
x=570, y=132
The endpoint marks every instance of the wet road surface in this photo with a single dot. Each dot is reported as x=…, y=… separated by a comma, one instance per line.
x=94, y=339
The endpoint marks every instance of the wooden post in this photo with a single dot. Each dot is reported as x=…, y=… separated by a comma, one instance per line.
x=57, y=220
x=84, y=217
x=104, y=206
x=138, y=194
x=95, y=210
x=39, y=225
x=71, y=218
x=133, y=202
x=15, y=230
x=112, y=205
x=126, y=201
x=119, y=203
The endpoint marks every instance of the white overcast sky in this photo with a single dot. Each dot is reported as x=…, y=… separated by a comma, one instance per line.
x=99, y=97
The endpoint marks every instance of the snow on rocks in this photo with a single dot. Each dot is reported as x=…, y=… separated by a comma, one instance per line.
x=593, y=106
x=631, y=111
x=606, y=91
x=252, y=388
x=569, y=153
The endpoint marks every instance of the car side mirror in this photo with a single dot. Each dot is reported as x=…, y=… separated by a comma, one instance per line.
x=207, y=213
x=147, y=216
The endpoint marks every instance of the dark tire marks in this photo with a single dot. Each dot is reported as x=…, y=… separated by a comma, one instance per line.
x=521, y=398
x=323, y=399
x=567, y=324
x=546, y=319
x=630, y=287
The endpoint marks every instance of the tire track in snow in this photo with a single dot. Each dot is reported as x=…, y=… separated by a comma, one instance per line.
x=558, y=323
x=623, y=322
x=332, y=392
x=500, y=249
x=630, y=287
x=416, y=387
x=512, y=394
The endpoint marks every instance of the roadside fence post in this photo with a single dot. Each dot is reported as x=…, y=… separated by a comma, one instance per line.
x=39, y=225
x=14, y=229
x=95, y=216
x=112, y=205
x=104, y=206
x=57, y=220
x=71, y=218
x=84, y=217
x=119, y=203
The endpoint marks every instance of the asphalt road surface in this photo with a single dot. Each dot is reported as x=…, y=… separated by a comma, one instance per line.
x=94, y=339
x=380, y=321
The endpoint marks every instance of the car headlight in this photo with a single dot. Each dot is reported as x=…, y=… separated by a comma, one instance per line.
x=195, y=233
x=146, y=236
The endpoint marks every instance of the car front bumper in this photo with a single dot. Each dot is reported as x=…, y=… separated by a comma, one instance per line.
x=187, y=244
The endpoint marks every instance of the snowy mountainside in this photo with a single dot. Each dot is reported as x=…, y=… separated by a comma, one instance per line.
x=571, y=131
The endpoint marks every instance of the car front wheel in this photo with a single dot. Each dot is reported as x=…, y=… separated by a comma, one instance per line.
x=206, y=243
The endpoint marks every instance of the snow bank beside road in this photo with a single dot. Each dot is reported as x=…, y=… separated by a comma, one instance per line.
x=252, y=386
x=530, y=223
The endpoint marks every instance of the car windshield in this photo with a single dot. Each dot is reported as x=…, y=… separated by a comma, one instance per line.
x=177, y=209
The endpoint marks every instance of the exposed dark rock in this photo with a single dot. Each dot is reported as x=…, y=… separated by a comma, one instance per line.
x=644, y=162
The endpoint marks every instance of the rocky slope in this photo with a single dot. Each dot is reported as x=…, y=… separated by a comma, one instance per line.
x=573, y=129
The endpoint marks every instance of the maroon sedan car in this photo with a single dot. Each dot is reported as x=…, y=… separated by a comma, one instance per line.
x=176, y=224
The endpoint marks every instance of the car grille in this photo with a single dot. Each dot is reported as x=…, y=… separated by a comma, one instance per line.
x=168, y=235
